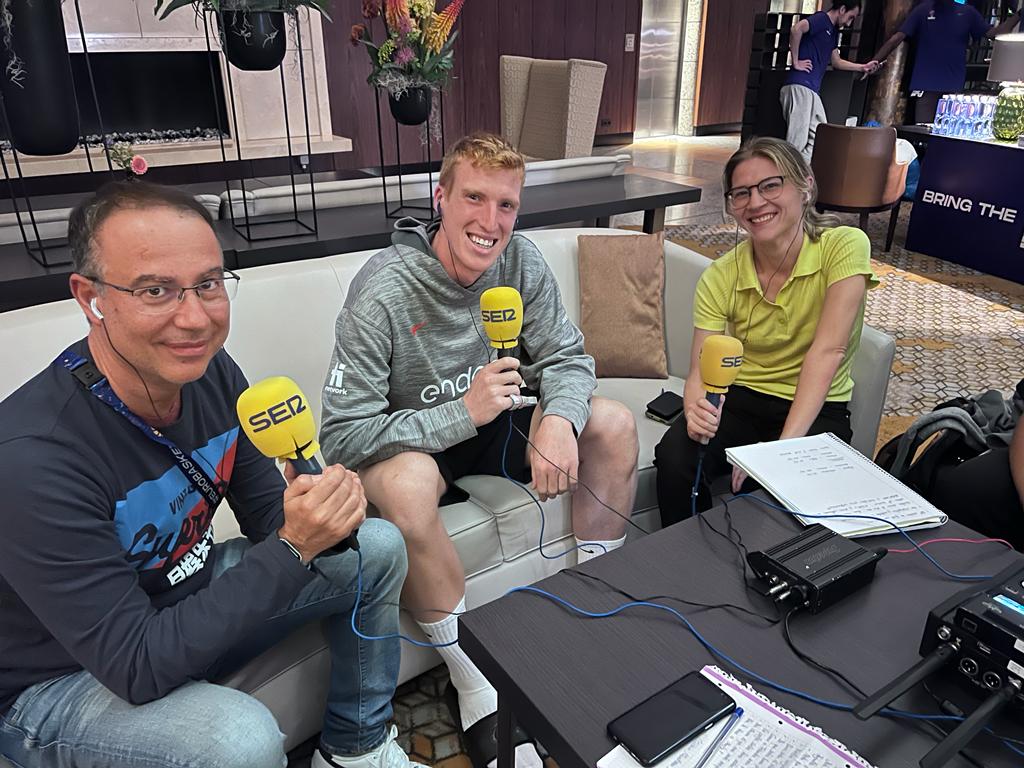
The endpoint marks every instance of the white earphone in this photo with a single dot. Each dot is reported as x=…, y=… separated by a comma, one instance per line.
x=95, y=309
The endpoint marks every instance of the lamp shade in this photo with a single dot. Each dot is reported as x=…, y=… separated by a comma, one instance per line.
x=1007, y=64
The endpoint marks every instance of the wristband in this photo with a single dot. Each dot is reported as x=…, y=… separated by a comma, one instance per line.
x=291, y=548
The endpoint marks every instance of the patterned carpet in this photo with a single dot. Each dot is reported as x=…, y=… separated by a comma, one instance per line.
x=957, y=331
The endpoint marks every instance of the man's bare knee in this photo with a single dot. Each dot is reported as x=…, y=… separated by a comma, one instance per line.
x=400, y=489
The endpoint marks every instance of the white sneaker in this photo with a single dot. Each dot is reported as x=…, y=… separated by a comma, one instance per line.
x=387, y=755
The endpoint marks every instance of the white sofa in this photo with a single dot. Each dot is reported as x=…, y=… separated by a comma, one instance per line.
x=495, y=532
x=263, y=201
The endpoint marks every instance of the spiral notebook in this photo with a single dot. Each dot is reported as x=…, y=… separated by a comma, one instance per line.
x=765, y=736
x=822, y=475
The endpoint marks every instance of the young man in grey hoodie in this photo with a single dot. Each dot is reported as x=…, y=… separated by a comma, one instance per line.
x=414, y=401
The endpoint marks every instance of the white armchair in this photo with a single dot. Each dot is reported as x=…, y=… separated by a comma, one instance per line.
x=549, y=108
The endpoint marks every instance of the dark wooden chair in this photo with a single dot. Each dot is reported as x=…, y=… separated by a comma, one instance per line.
x=855, y=170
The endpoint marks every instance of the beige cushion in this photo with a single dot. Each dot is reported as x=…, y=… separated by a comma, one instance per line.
x=547, y=110
x=622, y=314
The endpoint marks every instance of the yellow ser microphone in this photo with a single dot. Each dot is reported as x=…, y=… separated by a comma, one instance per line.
x=501, y=310
x=275, y=415
x=720, y=360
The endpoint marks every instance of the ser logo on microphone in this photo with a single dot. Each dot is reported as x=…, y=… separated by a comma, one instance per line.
x=275, y=414
x=498, y=315
x=732, y=362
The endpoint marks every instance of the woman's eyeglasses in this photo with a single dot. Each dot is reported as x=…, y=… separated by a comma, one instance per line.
x=769, y=189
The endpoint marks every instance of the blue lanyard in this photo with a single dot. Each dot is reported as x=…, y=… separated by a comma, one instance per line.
x=89, y=376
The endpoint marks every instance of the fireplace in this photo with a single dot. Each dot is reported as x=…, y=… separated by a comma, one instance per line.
x=168, y=92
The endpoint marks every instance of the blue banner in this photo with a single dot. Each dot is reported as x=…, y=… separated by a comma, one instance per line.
x=969, y=206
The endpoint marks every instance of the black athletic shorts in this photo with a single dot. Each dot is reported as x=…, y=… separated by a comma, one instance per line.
x=481, y=454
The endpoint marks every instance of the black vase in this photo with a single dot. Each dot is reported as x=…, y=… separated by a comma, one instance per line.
x=254, y=40
x=40, y=99
x=412, y=107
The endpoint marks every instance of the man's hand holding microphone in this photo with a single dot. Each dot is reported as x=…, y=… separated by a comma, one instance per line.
x=554, y=462
x=323, y=508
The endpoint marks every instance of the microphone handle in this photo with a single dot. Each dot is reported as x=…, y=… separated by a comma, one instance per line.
x=715, y=398
x=509, y=352
x=311, y=466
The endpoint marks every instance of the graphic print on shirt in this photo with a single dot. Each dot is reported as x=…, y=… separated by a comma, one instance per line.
x=165, y=524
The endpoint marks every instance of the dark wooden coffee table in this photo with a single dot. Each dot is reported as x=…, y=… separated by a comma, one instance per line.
x=564, y=677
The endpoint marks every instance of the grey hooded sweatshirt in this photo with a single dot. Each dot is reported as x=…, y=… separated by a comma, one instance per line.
x=409, y=340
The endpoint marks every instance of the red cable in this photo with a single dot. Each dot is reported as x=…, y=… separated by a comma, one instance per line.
x=957, y=541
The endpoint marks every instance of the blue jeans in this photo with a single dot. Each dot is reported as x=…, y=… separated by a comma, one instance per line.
x=74, y=722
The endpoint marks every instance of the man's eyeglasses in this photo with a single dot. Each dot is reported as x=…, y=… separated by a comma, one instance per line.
x=769, y=189
x=160, y=299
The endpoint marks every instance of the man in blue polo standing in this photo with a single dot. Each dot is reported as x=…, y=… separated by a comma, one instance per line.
x=812, y=45
x=942, y=28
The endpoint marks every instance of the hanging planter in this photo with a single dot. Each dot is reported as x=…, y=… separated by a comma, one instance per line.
x=36, y=80
x=412, y=107
x=254, y=41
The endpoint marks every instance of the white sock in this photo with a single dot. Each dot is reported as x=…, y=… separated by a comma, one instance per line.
x=477, y=698
x=589, y=549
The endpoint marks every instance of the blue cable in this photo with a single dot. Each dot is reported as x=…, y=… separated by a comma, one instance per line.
x=932, y=560
x=714, y=651
x=393, y=635
x=504, y=471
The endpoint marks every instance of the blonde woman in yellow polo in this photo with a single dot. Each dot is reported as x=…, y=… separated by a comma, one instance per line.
x=793, y=292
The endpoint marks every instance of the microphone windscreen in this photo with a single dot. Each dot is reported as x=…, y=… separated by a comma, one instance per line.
x=720, y=360
x=501, y=310
x=276, y=416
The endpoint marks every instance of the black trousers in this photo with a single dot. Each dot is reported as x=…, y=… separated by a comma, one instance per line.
x=747, y=417
x=980, y=494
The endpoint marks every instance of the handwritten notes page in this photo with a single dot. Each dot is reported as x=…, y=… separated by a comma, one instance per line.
x=822, y=475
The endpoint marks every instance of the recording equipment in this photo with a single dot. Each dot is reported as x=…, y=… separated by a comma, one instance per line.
x=275, y=415
x=501, y=310
x=814, y=569
x=95, y=309
x=720, y=360
x=975, y=642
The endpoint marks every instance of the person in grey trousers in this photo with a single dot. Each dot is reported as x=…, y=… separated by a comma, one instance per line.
x=414, y=401
x=812, y=45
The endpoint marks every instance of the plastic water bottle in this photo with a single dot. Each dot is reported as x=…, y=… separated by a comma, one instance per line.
x=940, y=115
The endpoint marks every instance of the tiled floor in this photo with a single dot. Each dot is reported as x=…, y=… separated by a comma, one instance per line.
x=957, y=331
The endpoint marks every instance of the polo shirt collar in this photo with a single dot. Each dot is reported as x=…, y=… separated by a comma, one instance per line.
x=808, y=262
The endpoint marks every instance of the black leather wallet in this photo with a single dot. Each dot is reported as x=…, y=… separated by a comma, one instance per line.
x=665, y=408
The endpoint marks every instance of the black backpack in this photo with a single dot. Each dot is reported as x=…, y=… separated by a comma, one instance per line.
x=947, y=449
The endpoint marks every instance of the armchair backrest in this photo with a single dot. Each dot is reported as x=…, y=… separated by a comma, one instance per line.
x=549, y=108
x=852, y=165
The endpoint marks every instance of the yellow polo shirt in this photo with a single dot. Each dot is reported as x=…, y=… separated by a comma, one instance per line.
x=776, y=335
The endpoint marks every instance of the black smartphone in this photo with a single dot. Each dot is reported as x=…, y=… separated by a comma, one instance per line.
x=673, y=716
x=665, y=408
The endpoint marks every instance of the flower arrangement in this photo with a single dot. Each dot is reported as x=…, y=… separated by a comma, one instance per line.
x=122, y=154
x=416, y=51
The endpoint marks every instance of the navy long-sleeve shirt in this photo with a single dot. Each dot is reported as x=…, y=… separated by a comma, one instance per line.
x=106, y=548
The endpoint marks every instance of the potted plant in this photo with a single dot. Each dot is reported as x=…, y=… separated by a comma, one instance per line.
x=36, y=82
x=253, y=33
x=414, y=58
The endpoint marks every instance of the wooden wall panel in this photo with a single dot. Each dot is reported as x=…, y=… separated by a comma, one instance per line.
x=548, y=29
x=615, y=19
x=481, y=45
x=580, y=28
x=724, y=61
x=516, y=22
x=549, y=26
